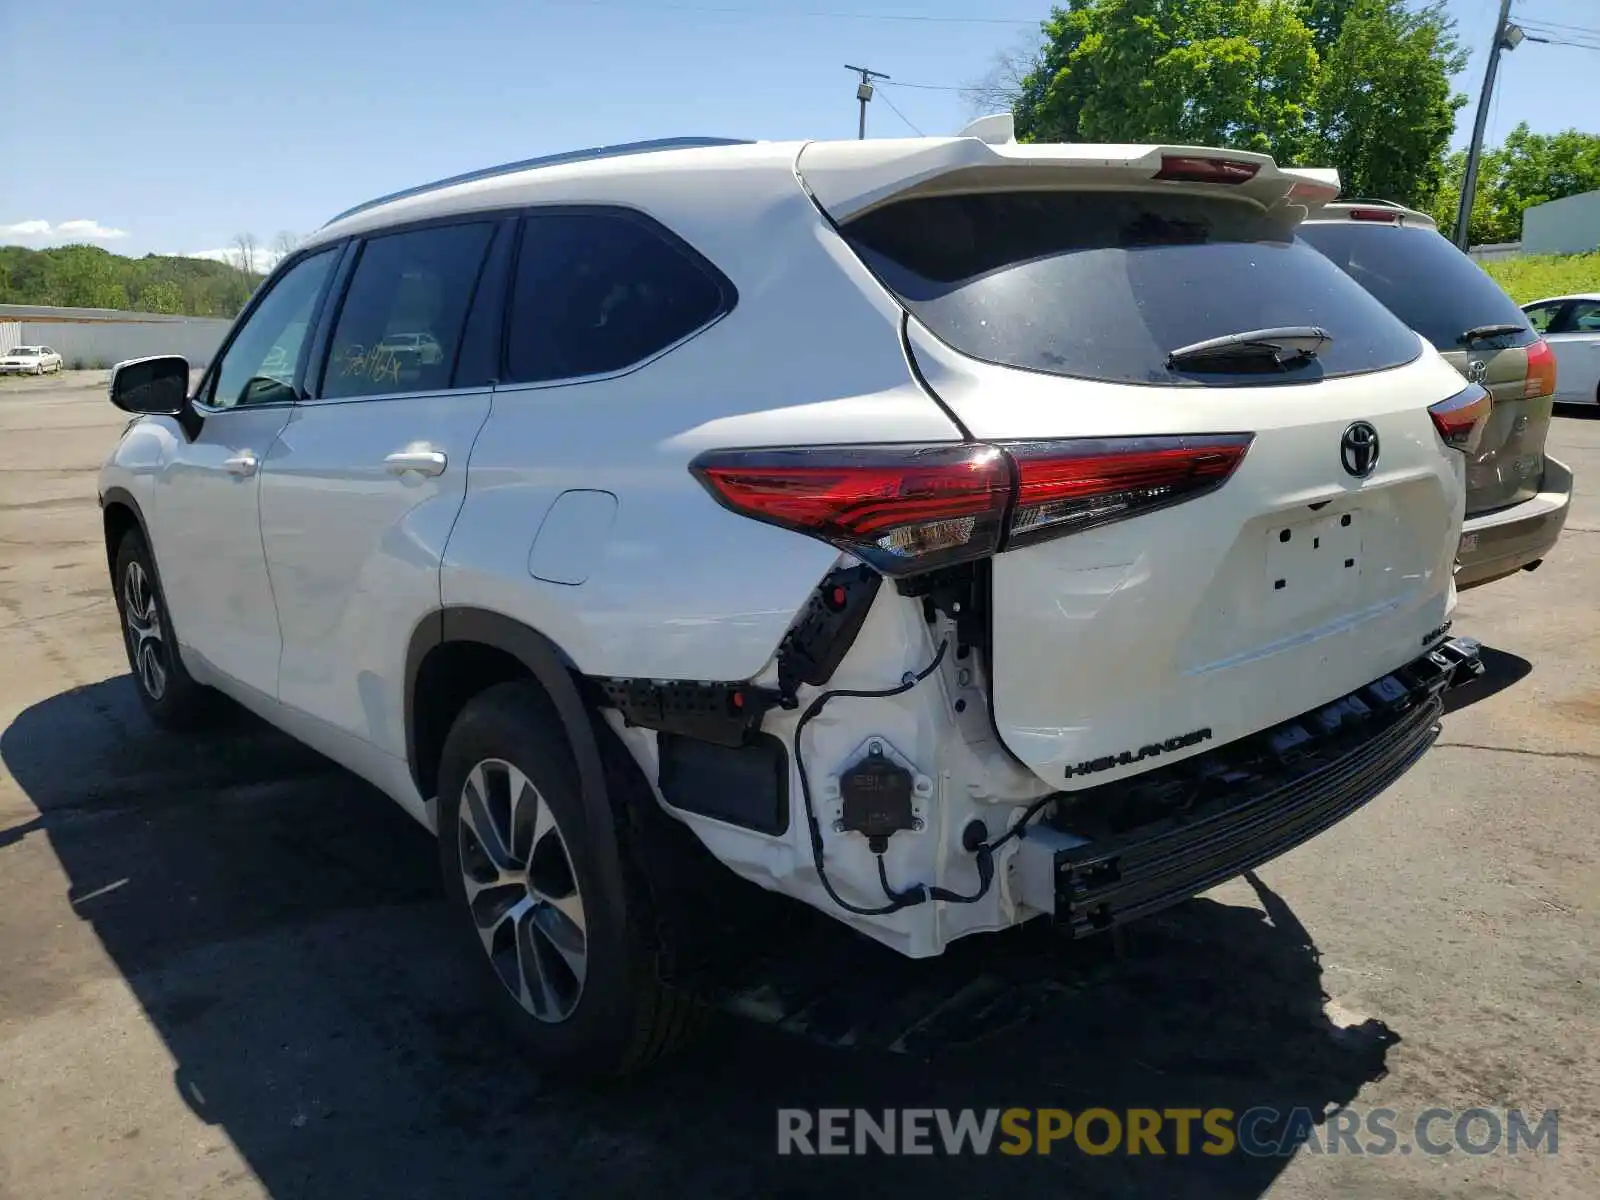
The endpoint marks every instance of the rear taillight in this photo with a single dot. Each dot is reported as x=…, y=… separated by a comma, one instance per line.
x=1459, y=418
x=1185, y=169
x=1541, y=378
x=1070, y=485
x=901, y=508
x=907, y=509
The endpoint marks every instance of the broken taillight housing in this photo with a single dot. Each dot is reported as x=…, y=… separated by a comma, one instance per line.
x=910, y=508
x=1459, y=418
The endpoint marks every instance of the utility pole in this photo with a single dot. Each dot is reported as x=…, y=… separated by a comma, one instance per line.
x=1506, y=37
x=864, y=91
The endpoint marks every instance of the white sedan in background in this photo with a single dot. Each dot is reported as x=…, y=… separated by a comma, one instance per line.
x=29, y=360
x=1571, y=324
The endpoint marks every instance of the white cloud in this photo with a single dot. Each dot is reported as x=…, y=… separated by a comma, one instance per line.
x=78, y=230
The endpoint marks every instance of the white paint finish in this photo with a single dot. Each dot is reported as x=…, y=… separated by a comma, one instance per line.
x=851, y=178
x=684, y=589
x=206, y=530
x=354, y=549
x=573, y=534
x=1577, y=366
x=1149, y=628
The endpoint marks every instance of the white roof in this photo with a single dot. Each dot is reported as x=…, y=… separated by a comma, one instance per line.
x=1563, y=299
x=847, y=177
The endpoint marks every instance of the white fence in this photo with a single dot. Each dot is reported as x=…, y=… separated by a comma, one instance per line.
x=100, y=337
x=1493, y=250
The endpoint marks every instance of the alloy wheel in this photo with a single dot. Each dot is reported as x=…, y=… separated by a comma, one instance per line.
x=521, y=890
x=141, y=616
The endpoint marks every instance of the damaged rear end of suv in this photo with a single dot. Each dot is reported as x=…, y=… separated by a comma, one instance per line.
x=1173, y=596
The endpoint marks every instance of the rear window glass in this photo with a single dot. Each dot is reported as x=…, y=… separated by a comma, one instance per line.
x=1104, y=285
x=1422, y=278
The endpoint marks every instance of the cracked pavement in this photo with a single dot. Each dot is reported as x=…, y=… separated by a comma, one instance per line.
x=223, y=971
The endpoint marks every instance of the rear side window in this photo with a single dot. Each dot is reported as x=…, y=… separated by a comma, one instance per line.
x=1421, y=278
x=1104, y=285
x=401, y=319
x=602, y=290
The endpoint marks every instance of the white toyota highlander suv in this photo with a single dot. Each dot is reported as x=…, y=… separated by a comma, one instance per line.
x=942, y=532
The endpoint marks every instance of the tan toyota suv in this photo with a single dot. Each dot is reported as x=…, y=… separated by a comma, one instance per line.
x=1517, y=496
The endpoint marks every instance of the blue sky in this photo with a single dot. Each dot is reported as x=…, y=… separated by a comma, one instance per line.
x=172, y=125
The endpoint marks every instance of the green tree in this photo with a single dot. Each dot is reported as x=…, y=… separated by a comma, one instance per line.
x=1361, y=85
x=84, y=277
x=1212, y=72
x=1384, y=105
x=90, y=277
x=160, y=296
x=1526, y=169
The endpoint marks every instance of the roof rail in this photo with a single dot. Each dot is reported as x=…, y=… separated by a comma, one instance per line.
x=548, y=160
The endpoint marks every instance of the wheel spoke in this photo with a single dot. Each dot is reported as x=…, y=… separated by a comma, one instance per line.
x=514, y=912
x=475, y=815
x=529, y=817
x=521, y=890
x=561, y=934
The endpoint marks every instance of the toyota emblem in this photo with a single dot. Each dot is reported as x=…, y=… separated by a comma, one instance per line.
x=1358, y=449
x=1477, y=371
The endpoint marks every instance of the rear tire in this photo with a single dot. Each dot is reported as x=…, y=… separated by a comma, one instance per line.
x=168, y=692
x=544, y=898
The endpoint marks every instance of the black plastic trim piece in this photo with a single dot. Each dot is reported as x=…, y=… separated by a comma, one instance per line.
x=1232, y=809
x=549, y=668
x=726, y=714
x=746, y=786
x=827, y=627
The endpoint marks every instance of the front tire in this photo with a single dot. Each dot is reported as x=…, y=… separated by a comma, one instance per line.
x=544, y=898
x=169, y=694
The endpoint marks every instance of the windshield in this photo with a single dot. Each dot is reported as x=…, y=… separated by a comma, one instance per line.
x=1421, y=278
x=1105, y=285
x=26, y=352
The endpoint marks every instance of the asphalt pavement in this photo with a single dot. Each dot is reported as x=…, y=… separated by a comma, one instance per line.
x=223, y=970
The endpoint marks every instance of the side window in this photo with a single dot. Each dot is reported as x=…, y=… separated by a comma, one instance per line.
x=400, y=323
x=600, y=291
x=258, y=366
x=1541, y=316
x=1582, y=317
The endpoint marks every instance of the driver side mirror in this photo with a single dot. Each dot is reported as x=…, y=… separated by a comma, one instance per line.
x=156, y=386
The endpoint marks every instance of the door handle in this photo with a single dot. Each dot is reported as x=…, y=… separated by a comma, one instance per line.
x=423, y=462
x=243, y=465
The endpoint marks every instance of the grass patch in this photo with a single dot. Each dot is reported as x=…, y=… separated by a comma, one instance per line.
x=1535, y=276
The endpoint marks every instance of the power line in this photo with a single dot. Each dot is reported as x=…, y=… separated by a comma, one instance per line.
x=1558, y=25
x=933, y=87
x=824, y=14
x=1558, y=41
x=902, y=116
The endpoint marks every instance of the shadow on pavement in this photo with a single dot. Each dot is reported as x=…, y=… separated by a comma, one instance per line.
x=1500, y=671
x=280, y=924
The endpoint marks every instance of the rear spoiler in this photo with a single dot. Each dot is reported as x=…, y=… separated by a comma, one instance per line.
x=849, y=179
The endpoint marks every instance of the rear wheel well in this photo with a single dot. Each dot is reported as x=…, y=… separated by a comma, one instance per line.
x=119, y=520
x=448, y=678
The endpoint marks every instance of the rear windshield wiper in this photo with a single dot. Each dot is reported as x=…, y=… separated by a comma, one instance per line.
x=1480, y=332
x=1285, y=346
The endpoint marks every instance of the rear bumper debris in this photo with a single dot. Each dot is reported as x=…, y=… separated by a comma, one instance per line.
x=1134, y=847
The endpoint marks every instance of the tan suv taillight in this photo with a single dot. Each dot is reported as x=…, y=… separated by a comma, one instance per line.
x=1541, y=379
